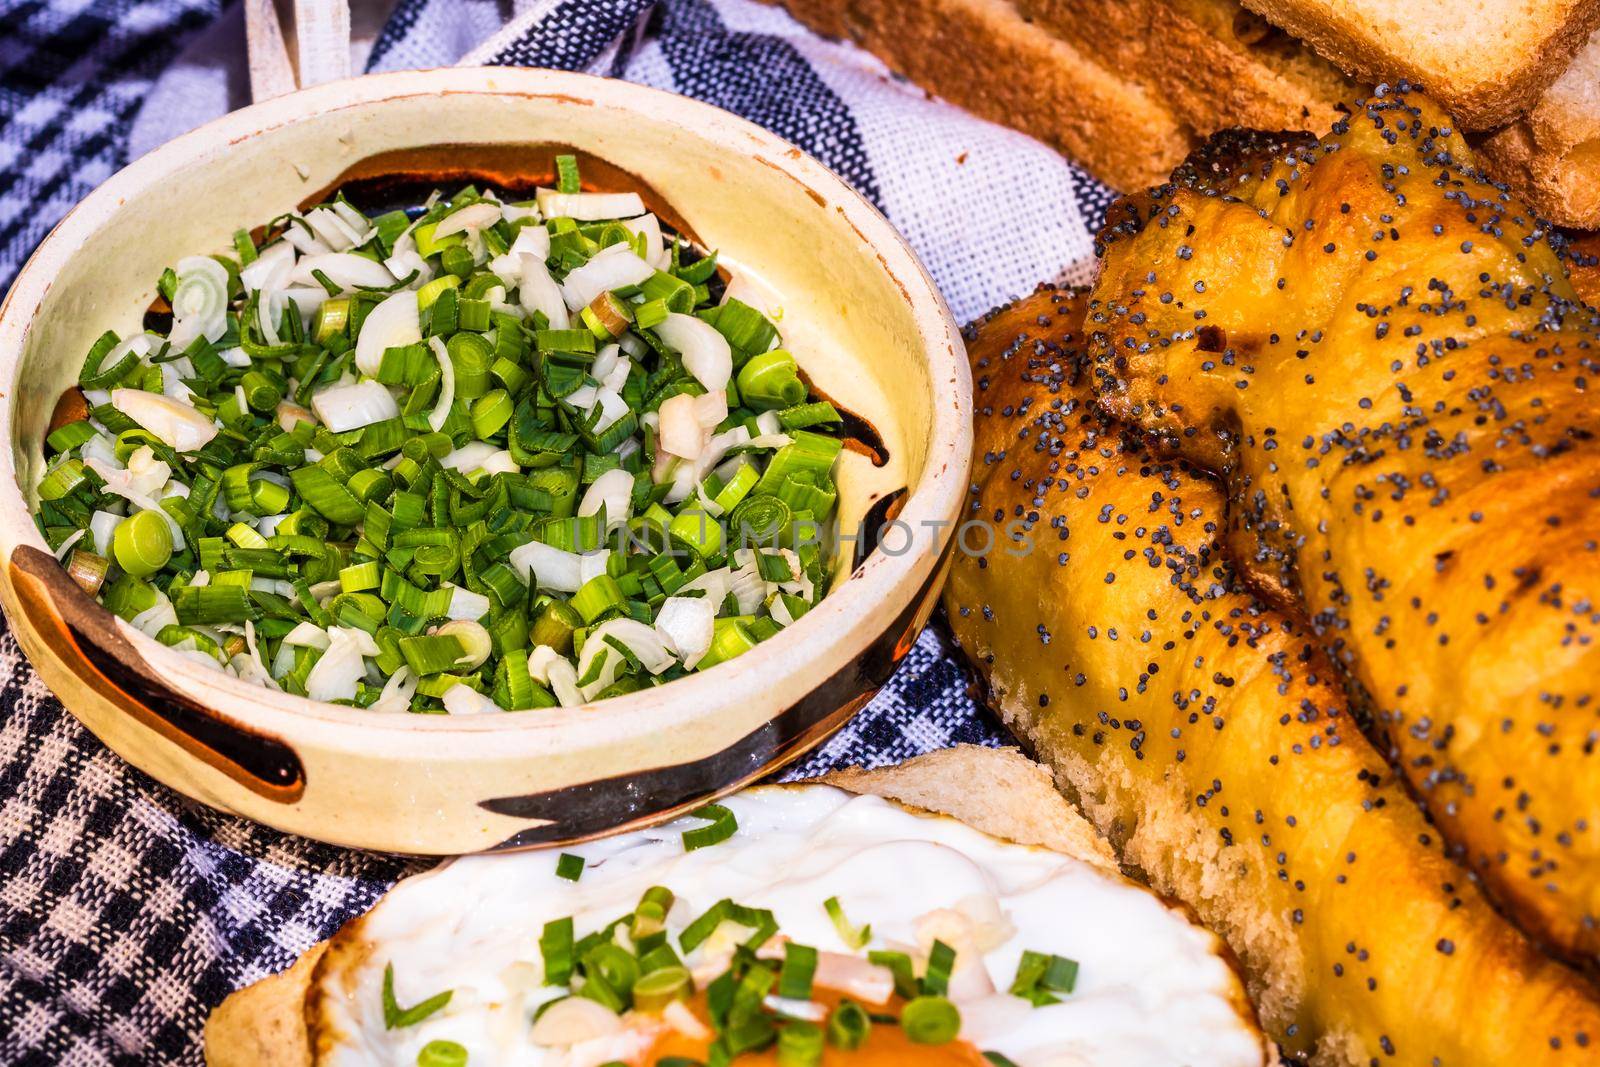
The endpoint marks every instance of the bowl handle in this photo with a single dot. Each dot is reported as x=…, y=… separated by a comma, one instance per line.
x=294, y=45
x=104, y=666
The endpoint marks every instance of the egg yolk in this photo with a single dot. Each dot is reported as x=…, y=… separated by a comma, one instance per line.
x=886, y=1044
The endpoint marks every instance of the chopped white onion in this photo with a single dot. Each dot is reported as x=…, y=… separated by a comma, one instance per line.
x=612, y=408
x=613, y=268
x=343, y=268
x=534, y=240
x=334, y=676
x=706, y=353
x=686, y=625
x=592, y=565
x=397, y=692
x=270, y=269
x=650, y=227
x=465, y=700
x=748, y=588
x=350, y=407
x=178, y=425
x=307, y=635
x=547, y=567
x=612, y=491
x=391, y=324
x=715, y=583
x=477, y=216
x=305, y=240
x=447, y=384
x=102, y=524
x=469, y=457
x=680, y=430
x=465, y=605
x=332, y=229
x=640, y=639
x=588, y=207
x=537, y=291
x=549, y=667
x=154, y=619
x=199, y=302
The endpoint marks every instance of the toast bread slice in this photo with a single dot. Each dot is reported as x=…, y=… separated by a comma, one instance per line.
x=1215, y=63
x=1486, y=61
x=1552, y=154
x=266, y=1024
x=984, y=56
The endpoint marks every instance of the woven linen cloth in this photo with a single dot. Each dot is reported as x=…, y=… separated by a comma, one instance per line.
x=128, y=912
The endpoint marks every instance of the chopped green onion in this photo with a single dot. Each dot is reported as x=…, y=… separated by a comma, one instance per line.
x=799, y=965
x=799, y=1044
x=569, y=866
x=930, y=1020
x=1040, y=975
x=431, y=467
x=658, y=988
x=555, y=947
x=394, y=1016
x=723, y=825
x=442, y=1053
x=848, y=1026
x=142, y=543
x=854, y=938
x=941, y=962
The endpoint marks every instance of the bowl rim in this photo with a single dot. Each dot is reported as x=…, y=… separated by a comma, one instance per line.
x=880, y=580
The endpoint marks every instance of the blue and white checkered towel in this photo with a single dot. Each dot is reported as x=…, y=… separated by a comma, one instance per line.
x=127, y=912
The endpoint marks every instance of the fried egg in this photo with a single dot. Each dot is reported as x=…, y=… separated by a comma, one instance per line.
x=1151, y=989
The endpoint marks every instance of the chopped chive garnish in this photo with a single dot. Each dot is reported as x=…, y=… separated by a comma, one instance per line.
x=442, y=1054
x=527, y=453
x=999, y=1060
x=849, y=1026
x=394, y=1016
x=799, y=1044
x=723, y=826
x=1041, y=974
x=799, y=965
x=941, y=961
x=555, y=947
x=899, y=965
x=930, y=1020
x=569, y=867
x=854, y=937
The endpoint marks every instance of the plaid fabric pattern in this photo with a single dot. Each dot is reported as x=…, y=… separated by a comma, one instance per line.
x=128, y=912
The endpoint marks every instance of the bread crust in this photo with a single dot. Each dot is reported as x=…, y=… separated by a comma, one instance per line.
x=1191, y=55
x=1205, y=733
x=276, y=1021
x=1370, y=39
x=1551, y=155
x=1020, y=78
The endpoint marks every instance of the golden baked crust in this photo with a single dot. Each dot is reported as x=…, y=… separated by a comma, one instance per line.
x=1381, y=354
x=1205, y=733
x=1486, y=60
x=983, y=56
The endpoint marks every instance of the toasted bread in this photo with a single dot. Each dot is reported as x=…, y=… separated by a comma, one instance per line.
x=1552, y=154
x=1484, y=60
x=1213, y=62
x=984, y=56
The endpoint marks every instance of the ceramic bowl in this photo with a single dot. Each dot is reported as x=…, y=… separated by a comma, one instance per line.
x=868, y=327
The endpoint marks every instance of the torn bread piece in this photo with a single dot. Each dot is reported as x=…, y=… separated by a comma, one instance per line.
x=1106, y=974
